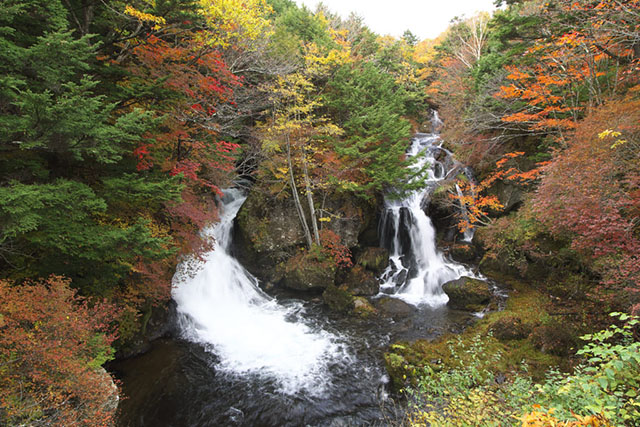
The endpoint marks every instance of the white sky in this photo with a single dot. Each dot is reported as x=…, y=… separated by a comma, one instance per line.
x=425, y=18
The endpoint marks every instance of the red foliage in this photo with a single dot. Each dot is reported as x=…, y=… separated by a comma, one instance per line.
x=200, y=83
x=333, y=247
x=590, y=192
x=52, y=344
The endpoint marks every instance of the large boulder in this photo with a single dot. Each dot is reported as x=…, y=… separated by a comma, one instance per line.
x=394, y=307
x=363, y=308
x=463, y=252
x=306, y=271
x=361, y=282
x=268, y=231
x=466, y=293
x=509, y=328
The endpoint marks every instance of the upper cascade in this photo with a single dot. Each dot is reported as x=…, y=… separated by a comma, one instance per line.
x=417, y=269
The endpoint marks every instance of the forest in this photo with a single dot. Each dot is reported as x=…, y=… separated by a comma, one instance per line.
x=123, y=122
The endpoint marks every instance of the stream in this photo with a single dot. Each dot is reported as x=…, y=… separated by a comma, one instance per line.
x=244, y=357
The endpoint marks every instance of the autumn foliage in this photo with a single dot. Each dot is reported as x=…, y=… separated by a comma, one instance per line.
x=52, y=346
x=590, y=194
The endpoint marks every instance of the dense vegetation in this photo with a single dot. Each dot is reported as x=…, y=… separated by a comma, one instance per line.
x=120, y=123
x=541, y=99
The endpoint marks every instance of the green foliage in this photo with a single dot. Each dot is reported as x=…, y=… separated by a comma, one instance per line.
x=61, y=228
x=605, y=385
x=608, y=381
x=370, y=106
x=467, y=394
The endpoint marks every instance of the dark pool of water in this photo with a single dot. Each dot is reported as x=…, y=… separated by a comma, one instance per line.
x=177, y=383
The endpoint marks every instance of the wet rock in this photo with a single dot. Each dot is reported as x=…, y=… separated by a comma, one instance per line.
x=373, y=259
x=155, y=323
x=509, y=328
x=267, y=229
x=394, y=307
x=466, y=293
x=398, y=368
x=361, y=282
x=266, y=233
x=338, y=298
x=363, y=308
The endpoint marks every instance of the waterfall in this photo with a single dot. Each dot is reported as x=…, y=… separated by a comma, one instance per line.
x=417, y=269
x=222, y=307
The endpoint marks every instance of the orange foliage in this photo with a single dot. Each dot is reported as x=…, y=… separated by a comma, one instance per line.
x=590, y=191
x=52, y=344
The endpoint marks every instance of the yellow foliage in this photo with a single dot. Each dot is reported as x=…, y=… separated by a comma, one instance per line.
x=144, y=17
x=538, y=418
x=237, y=21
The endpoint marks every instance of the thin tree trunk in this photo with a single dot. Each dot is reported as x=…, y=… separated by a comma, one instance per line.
x=312, y=209
x=296, y=199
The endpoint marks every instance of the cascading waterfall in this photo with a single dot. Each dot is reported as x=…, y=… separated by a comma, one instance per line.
x=417, y=270
x=222, y=307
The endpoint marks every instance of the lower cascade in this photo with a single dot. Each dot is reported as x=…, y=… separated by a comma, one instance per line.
x=417, y=269
x=222, y=307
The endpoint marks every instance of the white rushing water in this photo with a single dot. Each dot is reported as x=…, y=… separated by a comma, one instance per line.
x=417, y=269
x=222, y=307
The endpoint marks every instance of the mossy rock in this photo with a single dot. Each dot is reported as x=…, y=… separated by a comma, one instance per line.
x=463, y=252
x=338, y=298
x=398, y=368
x=373, y=259
x=554, y=338
x=466, y=293
x=363, y=308
x=361, y=282
x=509, y=328
x=306, y=271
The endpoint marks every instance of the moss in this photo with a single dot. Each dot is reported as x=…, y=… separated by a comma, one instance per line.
x=338, y=299
x=399, y=369
x=467, y=294
x=307, y=270
x=363, y=308
x=526, y=304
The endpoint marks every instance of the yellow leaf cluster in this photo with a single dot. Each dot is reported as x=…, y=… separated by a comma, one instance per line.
x=236, y=21
x=144, y=17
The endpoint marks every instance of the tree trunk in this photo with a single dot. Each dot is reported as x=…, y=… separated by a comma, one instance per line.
x=312, y=209
x=296, y=199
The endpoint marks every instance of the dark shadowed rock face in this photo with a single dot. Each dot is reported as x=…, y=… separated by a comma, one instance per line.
x=373, y=259
x=268, y=231
x=466, y=293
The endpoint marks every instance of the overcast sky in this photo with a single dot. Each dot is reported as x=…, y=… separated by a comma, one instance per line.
x=425, y=18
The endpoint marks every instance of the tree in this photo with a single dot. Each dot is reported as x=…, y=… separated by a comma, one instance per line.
x=293, y=128
x=589, y=194
x=52, y=346
x=63, y=144
x=370, y=105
